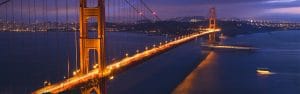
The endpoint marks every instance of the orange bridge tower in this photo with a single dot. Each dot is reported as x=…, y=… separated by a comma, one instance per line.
x=212, y=24
x=92, y=42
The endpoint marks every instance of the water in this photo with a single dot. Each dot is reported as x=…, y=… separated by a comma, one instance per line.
x=27, y=59
x=235, y=73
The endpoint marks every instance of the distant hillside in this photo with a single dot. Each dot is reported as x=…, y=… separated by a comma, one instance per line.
x=188, y=19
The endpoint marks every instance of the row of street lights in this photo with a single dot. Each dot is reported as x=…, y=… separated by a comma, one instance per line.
x=76, y=72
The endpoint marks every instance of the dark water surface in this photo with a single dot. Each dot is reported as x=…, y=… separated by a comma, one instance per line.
x=27, y=59
x=235, y=72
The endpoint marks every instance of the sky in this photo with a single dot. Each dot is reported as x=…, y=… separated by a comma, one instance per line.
x=165, y=9
x=227, y=8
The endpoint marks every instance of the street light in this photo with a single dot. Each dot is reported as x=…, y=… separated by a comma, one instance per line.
x=154, y=45
x=45, y=82
x=111, y=77
x=74, y=73
x=95, y=66
x=146, y=48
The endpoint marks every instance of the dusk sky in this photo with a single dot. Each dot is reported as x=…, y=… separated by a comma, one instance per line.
x=226, y=8
x=179, y=8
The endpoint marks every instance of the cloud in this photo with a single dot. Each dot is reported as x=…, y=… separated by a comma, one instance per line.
x=199, y=2
x=225, y=8
x=281, y=1
x=288, y=10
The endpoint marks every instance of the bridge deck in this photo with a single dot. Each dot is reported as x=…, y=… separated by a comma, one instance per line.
x=126, y=62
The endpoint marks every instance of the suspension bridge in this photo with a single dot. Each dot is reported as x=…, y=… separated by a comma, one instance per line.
x=93, y=16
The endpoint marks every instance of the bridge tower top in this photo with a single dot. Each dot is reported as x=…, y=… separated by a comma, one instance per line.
x=89, y=43
x=212, y=18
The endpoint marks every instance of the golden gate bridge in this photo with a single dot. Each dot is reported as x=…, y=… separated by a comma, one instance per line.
x=91, y=11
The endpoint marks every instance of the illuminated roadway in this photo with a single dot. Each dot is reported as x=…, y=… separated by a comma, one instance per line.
x=124, y=63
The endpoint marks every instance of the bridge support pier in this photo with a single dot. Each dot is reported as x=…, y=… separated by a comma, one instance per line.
x=212, y=37
x=92, y=90
x=96, y=86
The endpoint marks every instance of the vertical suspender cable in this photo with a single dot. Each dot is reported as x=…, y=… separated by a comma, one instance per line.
x=130, y=14
x=2, y=15
x=127, y=13
x=67, y=15
x=56, y=14
x=112, y=20
x=124, y=11
x=139, y=11
x=56, y=31
x=45, y=27
x=34, y=9
x=128, y=10
x=22, y=23
x=117, y=22
x=29, y=16
x=46, y=13
x=12, y=16
x=43, y=23
x=35, y=30
x=68, y=67
x=75, y=34
x=11, y=27
x=43, y=13
x=22, y=28
x=118, y=11
x=6, y=20
x=125, y=22
x=119, y=8
x=115, y=11
x=66, y=31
